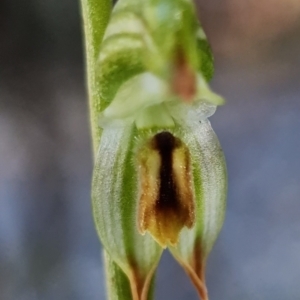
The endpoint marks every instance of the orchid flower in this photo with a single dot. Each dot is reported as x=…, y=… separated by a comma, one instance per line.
x=160, y=175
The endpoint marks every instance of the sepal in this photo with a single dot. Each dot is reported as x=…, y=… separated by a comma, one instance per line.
x=210, y=188
x=114, y=199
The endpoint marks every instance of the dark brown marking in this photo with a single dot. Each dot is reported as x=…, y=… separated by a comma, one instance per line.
x=184, y=78
x=165, y=143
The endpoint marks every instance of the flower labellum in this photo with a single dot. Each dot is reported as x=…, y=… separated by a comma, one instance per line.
x=166, y=201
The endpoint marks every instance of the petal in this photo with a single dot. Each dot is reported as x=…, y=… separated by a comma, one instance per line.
x=204, y=92
x=133, y=97
x=114, y=197
x=194, y=112
x=210, y=187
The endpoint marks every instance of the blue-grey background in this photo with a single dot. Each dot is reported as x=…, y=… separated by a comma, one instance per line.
x=48, y=246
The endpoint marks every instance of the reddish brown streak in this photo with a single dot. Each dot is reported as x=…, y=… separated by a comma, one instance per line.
x=184, y=79
x=139, y=283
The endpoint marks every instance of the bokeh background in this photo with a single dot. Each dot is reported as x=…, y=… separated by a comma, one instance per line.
x=48, y=245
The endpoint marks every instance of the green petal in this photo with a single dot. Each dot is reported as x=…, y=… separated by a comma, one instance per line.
x=133, y=97
x=204, y=92
x=210, y=186
x=114, y=197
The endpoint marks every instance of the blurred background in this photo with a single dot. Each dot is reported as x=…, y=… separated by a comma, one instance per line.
x=48, y=245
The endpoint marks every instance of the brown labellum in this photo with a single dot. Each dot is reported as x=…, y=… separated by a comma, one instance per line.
x=166, y=197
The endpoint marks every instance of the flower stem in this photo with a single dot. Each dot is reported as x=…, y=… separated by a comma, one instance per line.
x=95, y=15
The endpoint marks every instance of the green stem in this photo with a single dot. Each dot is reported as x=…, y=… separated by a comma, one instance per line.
x=95, y=14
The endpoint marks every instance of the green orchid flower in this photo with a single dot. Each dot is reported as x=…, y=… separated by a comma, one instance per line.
x=160, y=176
